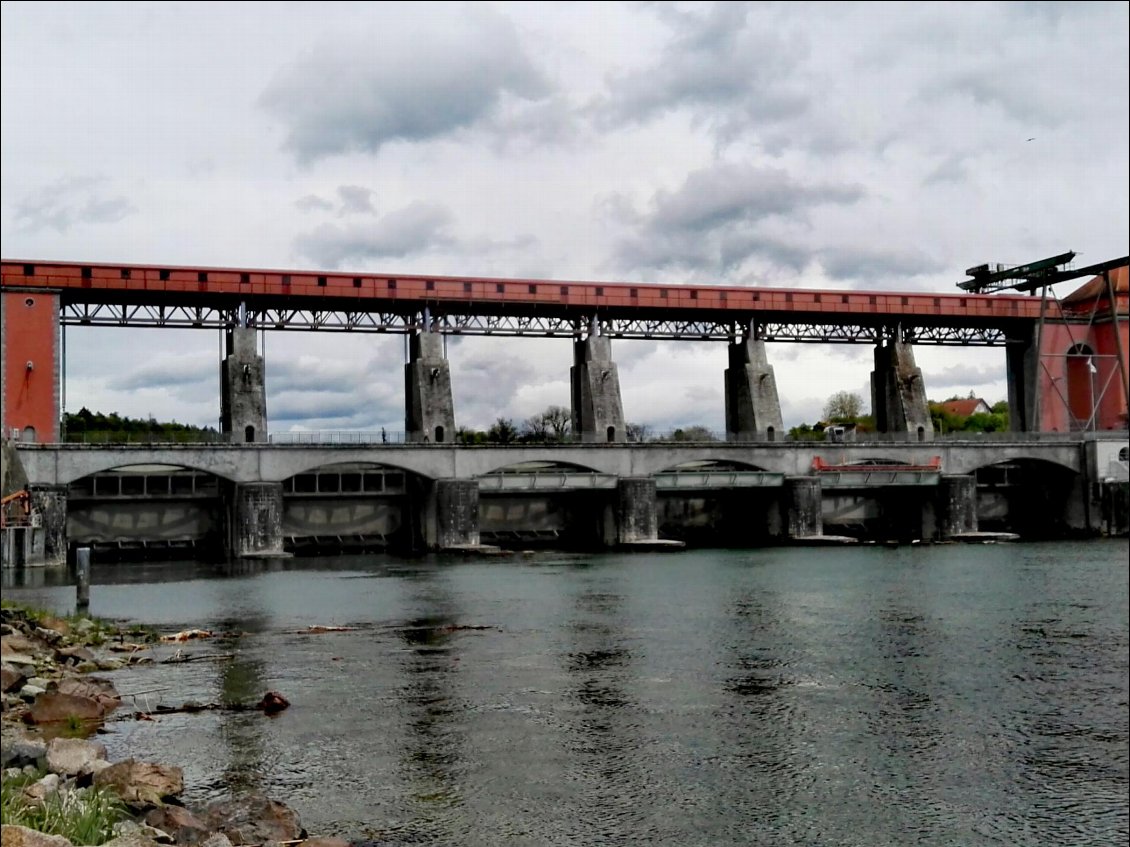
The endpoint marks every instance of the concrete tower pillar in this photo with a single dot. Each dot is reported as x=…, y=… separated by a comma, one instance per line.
x=243, y=391
x=753, y=409
x=429, y=408
x=898, y=394
x=598, y=414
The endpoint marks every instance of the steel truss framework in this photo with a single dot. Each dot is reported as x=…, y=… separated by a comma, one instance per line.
x=546, y=326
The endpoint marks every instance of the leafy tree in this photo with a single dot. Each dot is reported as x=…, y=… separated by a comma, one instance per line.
x=804, y=432
x=502, y=431
x=693, y=433
x=843, y=407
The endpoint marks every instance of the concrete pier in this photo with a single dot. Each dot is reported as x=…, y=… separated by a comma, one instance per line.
x=804, y=506
x=635, y=512
x=243, y=393
x=753, y=408
x=456, y=513
x=429, y=410
x=956, y=506
x=255, y=520
x=48, y=543
x=598, y=413
x=898, y=394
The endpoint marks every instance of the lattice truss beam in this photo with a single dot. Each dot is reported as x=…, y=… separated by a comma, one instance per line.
x=214, y=317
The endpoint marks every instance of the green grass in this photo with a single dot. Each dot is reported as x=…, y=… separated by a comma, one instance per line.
x=81, y=815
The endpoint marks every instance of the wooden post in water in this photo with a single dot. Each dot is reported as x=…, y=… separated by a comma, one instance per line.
x=82, y=580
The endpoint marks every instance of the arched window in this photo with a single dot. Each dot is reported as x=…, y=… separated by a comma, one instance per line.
x=611, y=434
x=28, y=435
x=249, y=434
x=439, y=435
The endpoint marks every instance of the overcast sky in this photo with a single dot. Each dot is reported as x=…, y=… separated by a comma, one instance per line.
x=840, y=146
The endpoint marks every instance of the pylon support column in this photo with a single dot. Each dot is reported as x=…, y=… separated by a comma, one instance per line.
x=753, y=409
x=429, y=414
x=598, y=413
x=898, y=394
x=243, y=391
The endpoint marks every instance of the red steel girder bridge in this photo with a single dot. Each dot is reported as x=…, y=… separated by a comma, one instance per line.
x=208, y=297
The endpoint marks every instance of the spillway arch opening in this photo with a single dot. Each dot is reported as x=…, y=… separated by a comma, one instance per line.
x=1030, y=497
x=349, y=478
x=146, y=480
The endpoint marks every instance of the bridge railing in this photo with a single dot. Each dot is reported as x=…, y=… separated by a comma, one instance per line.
x=399, y=437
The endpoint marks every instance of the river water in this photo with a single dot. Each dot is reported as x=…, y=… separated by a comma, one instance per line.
x=927, y=695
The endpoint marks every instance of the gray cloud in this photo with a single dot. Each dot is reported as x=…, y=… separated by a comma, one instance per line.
x=712, y=221
x=962, y=376
x=413, y=230
x=355, y=200
x=313, y=203
x=402, y=86
x=67, y=203
x=863, y=264
x=168, y=373
x=722, y=64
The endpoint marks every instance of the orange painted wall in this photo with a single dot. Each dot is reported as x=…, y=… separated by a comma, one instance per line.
x=1066, y=382
x=31, y=334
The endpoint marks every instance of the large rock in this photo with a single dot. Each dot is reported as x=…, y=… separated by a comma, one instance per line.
x=136, y=838
x=10, y=677
x=101, y=690
x=21, y=836
x=253, y=819
x=75, y=654
x=18, y=644
x=141, y=784
x=18, y=749
x=54, y=706
x=182, y=825
x=73, y=756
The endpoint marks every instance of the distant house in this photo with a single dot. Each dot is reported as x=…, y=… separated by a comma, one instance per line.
x=967, y=407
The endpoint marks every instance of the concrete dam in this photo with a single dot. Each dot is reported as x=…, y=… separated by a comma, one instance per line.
x=265, y=499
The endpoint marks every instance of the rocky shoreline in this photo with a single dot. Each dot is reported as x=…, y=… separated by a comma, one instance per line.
x=53, y=706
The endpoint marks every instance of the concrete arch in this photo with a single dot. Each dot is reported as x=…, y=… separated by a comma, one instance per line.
x=708, y=465
x=153, y=468
x=968, y=462
x=1031, y=463
x=541, y=466
x=339, y=467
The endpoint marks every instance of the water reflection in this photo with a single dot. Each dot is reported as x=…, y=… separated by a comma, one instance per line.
x=601, y=737
x=430, y=706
